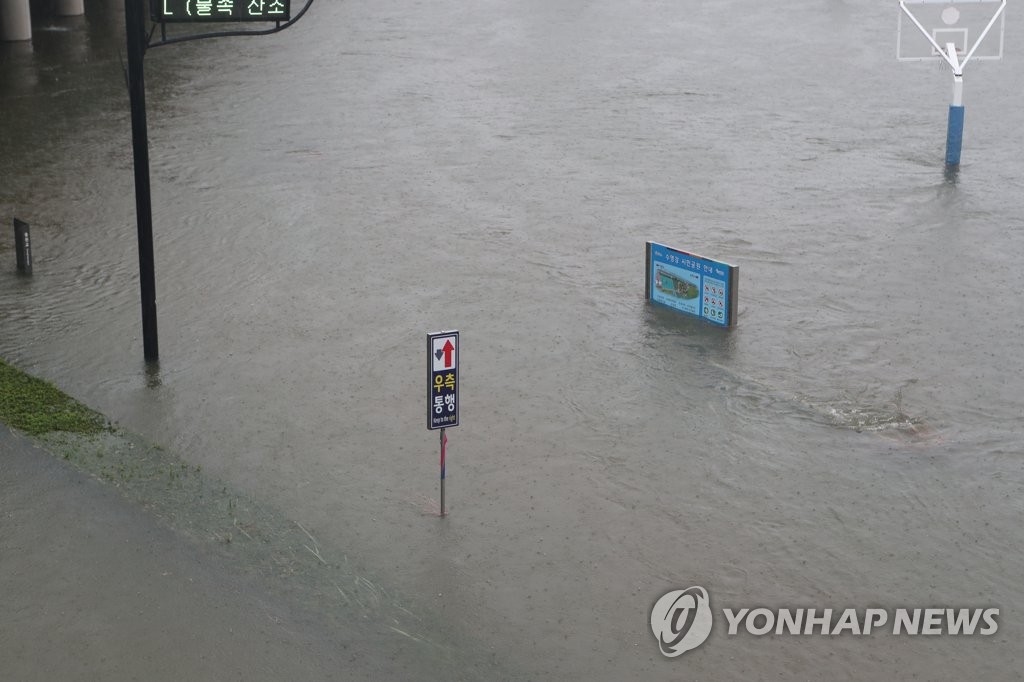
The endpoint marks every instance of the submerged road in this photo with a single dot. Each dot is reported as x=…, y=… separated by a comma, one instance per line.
x=97, y=589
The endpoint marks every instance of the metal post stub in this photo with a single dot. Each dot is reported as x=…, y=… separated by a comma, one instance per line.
x=23, y=246
x=444, y=447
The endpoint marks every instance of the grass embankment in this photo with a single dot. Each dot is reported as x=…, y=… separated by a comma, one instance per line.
x=251, y=537
x=37, y=407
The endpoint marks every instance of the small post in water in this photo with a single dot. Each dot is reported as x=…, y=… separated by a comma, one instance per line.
x=23, y=246
x=444, y=444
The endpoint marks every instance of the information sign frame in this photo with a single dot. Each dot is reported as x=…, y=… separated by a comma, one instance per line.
x=693, y=285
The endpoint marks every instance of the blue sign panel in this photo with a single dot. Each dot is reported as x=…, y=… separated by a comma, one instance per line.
x=442, y=380
x=692, y=284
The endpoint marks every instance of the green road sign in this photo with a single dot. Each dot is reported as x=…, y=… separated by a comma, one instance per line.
x=201, y=11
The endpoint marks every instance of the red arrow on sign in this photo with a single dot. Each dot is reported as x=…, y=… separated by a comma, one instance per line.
x=446, y=350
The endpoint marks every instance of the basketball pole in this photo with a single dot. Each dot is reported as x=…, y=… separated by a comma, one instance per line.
x=955, y=128
x=955, y=121
x=955, y=125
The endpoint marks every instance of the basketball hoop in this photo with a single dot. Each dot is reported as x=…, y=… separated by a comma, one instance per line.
x=951, y=32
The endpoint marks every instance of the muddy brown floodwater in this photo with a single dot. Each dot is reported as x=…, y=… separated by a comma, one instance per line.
x=325, y=197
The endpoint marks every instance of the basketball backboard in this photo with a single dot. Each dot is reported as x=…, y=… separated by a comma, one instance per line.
x=927, y=27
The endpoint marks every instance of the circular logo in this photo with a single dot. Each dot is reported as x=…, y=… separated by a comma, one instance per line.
x=681, y=620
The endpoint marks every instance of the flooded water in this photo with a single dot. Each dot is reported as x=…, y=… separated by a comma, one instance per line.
x=325, y=197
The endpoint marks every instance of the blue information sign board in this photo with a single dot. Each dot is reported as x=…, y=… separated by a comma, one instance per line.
x=692, y=284
x=442, y=380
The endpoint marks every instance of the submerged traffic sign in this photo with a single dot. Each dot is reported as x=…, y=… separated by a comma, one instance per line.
x=442, y=380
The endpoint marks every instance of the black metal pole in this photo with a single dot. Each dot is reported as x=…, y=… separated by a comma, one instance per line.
x=135, y=27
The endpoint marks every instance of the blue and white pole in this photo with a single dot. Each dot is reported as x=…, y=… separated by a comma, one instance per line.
x=955, y=126
x=949, y=18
